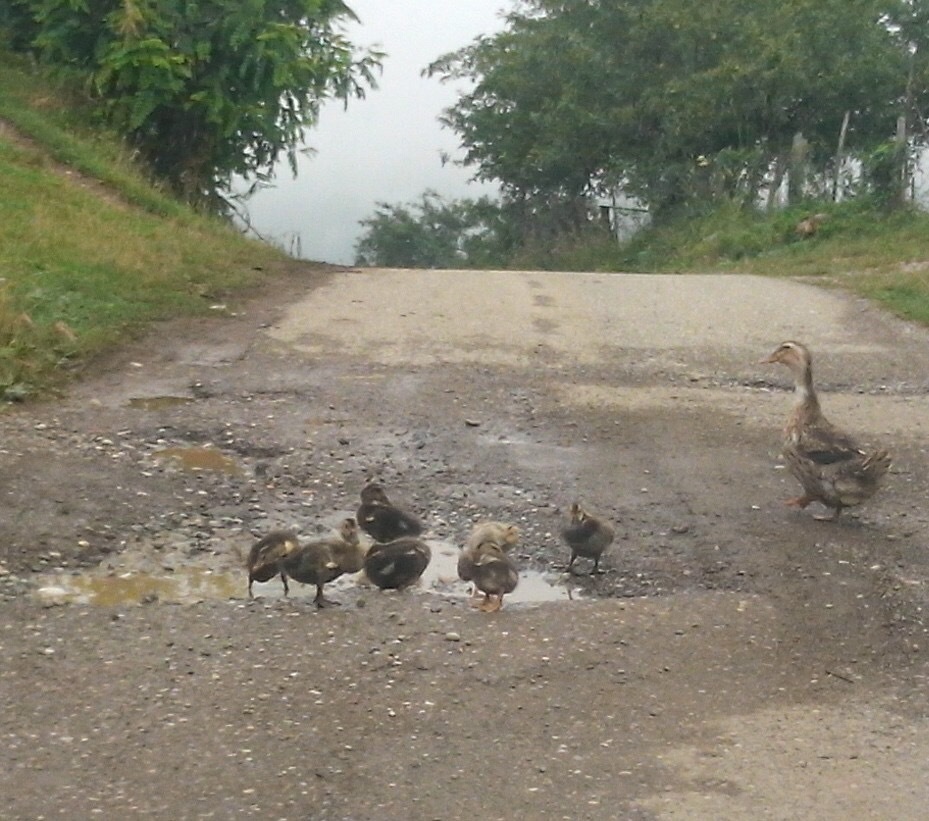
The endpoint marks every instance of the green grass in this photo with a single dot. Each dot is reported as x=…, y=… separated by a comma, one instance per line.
x=881, y=255
x=90, y=251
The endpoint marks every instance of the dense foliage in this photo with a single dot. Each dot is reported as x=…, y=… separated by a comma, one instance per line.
x=204, y=90
x=434, y=233
x=678, y=102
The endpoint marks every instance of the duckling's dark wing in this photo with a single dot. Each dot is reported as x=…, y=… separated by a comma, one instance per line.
x=265, y=556
x=397, y=563
x=386, y=522
x=496, y=576
x=311, y=564
x=580, y=533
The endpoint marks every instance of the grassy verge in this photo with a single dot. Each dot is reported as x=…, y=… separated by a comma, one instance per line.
x=881, y=255
x=90, y=251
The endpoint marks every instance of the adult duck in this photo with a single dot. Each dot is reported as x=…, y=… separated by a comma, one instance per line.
x=830, y=466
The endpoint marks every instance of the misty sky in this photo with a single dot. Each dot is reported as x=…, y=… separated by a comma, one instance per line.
x=385, y=148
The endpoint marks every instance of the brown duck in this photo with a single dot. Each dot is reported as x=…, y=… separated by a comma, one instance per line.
x=484, y=562
x=587, y=536
x=382, y=520
x=265, y=557
x=826, y=461
x=324, y=560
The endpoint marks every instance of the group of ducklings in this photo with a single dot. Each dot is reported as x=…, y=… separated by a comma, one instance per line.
x=827, y=462
x=398, y=557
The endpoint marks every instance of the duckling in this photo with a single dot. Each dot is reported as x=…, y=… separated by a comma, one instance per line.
x=397, y=564
x=490, y=569
x=501, y=534
x=324, y=560
x=826, y=461
x=265, y=557
x=383, y=521
x=587, y=536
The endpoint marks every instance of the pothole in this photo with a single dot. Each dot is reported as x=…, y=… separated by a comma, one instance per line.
x=200, y=458
x=132, y=582
x=153, y=403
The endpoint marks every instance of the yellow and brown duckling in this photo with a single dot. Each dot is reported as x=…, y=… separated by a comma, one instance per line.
x=382, y=520
x=587, y=536
x=398, y=563
x=827, y=462
x=504, y=535
x=483, y=562
x=265, y=557
x=324, y=560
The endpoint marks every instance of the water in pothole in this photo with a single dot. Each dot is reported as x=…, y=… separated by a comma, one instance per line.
x=129, y=583
x=153, y=403
x=200, y=458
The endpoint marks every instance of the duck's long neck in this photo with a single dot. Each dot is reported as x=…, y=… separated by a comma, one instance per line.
x=807, y=404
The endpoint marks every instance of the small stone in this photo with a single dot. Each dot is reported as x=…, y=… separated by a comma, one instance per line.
x=52, y=596
x=452, y=636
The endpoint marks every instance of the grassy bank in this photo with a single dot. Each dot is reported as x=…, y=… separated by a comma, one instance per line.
x=881, y=255
x=90, y=250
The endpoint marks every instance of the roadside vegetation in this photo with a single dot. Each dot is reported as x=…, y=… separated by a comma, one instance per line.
x=777, y=138
x=731, y=124
x=90, y=249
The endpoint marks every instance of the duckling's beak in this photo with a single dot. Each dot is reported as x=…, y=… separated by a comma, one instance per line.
x=770, y=359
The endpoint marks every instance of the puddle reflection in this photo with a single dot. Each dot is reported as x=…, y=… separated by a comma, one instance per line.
x=187, y=585
x=152, y=403
x=200, y=458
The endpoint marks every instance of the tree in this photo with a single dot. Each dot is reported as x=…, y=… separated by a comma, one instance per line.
x=675, y=101
x=205, y=90
x=434, y=233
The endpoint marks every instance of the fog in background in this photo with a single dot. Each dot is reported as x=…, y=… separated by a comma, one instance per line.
x=385, y=148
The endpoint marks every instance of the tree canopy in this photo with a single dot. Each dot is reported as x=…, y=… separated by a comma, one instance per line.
x=684, y=100
x=204, y=90
x=434, y=233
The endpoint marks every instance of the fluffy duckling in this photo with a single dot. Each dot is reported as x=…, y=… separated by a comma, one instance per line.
x=490, y=569
x=826, y=461
x=587, y=536
x=265, y=557
x=397, y=564
x=384, y=521
x=505, y=536
x=324, y=560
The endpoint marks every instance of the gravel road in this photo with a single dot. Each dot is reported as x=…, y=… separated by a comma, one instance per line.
x=737, y=659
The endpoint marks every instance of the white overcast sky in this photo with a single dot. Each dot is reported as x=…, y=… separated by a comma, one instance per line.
x=387, y=147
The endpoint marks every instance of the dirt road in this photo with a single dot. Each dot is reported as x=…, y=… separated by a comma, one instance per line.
x=738, y=659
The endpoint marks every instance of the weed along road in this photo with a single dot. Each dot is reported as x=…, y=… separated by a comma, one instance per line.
x=738, y=658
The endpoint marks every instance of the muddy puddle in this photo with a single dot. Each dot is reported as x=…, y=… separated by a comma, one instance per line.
x=189, y=585
x=199, y=458
x=156, y=403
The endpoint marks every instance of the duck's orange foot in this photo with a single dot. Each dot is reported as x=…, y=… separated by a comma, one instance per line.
x=799, y=502
x=491, y=605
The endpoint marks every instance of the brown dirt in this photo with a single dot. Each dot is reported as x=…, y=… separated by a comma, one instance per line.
x=738, y=658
